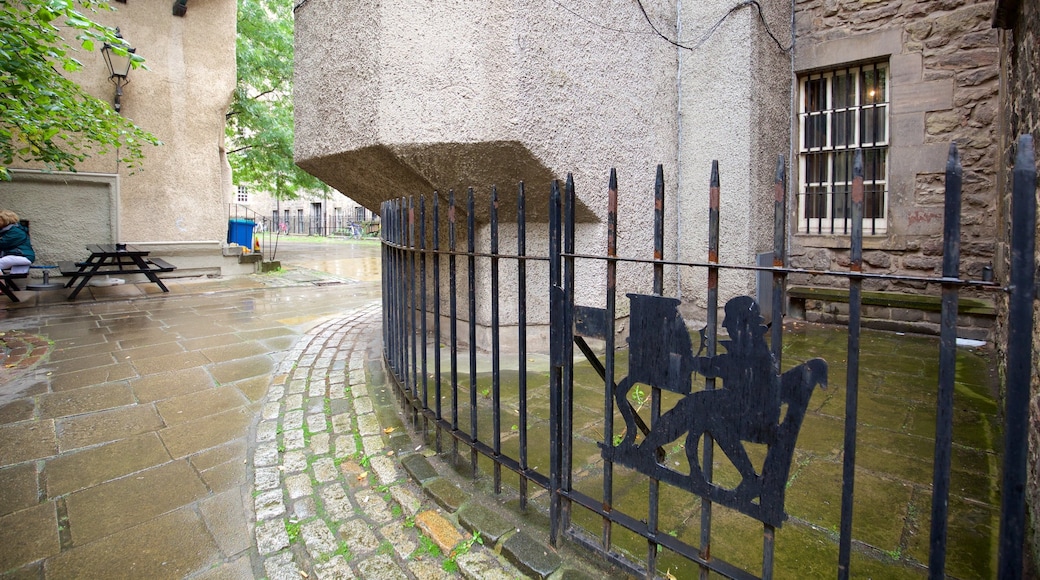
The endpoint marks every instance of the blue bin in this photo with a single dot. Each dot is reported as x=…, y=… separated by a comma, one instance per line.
x=240, y=232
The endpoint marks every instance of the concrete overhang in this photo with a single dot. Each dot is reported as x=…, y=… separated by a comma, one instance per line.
x=374, y=174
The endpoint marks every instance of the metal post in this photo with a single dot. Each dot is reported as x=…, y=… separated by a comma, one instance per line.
x=471, y=261
x=1019, y=365
x=453, y=325
x=556, y=333
x=655, y=392
x=711, y=341
x=422, y=314
x=852, y=371
x=521, y=274
x=567, y=396
x=496, y=374
x=608, y=376
x=437, y=316
x=947, y=368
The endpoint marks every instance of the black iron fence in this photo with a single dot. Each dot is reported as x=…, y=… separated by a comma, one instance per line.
x=758, y=403
x=329, y=225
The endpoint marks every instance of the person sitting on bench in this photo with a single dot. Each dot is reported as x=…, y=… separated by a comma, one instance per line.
x=15, y=248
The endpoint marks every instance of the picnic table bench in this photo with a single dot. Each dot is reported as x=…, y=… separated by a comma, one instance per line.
x=7, y=281
x=108, y=259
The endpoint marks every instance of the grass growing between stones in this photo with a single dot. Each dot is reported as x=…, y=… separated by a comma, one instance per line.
x=292, y=528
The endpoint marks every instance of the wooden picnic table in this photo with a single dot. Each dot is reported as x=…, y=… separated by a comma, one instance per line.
x=108, y=259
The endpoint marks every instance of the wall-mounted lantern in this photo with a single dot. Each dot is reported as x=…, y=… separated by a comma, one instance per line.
x=180, y=7
x=118, y=68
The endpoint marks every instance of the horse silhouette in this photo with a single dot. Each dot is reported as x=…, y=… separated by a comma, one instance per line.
x=746, y=408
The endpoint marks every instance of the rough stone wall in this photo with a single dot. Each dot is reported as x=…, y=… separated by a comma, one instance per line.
x=943, y=58
x=1020, y=104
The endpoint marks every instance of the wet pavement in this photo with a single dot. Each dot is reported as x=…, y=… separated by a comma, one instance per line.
x=217, y=431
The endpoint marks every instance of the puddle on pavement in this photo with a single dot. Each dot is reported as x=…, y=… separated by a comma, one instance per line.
x=365, y=269
x=891, y=522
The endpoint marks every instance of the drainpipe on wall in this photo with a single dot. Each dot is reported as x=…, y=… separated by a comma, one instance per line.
x=792, y=179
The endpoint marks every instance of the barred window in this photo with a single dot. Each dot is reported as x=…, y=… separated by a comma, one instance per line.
x=243, y=194
x=840, y=111
x=359, y=214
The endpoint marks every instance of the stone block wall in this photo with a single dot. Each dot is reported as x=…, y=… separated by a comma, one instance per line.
x=1020, y=107
x=943, y=74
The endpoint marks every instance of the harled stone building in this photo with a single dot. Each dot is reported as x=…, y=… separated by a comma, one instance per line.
x=176, y=203
x=408, y=100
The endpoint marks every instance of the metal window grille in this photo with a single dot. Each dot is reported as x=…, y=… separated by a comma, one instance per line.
x=243, y=194
x=841, y=111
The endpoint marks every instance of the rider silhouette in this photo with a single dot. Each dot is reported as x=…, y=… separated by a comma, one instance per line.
x=746, y=408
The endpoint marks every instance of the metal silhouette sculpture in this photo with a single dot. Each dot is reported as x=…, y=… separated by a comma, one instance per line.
x=747, y=408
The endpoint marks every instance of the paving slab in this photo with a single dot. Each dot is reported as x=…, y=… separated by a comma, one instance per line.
x=28, y=535
x=168, y=385
x=82, y=469
x=174, y=545
x=19, y=488
x=125, y=502
x=27, y=441
x=105, y=426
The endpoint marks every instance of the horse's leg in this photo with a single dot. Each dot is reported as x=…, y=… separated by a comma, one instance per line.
x=621, y=398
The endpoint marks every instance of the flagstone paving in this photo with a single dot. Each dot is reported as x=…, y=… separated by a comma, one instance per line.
x=227, y=429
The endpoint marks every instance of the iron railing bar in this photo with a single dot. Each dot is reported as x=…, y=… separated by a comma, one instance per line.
x=472, y=279
x=422, y=311
x=555, y=368
x=1019, y=361
x=863, y=275
x=453, y=322
x=411, y=302
x=600, y=369
x=710, y=337
x=567, y=395
x=616, y=559
x=777, y=312
x=521, y=269
x=496, y=363
x=385, y=275
x=437, y=315
x=608, y=371
x=636, y=525
x=402, y=338
x=947, y=369
x=653, y=497
x=476, y=254
x=852, y=373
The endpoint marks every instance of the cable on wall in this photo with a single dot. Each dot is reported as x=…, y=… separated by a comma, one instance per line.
x=714, y=27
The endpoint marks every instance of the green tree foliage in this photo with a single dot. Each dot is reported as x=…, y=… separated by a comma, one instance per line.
x=45, y=117
x=260, y=122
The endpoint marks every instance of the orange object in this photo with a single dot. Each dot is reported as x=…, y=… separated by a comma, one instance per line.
x=256, y=244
